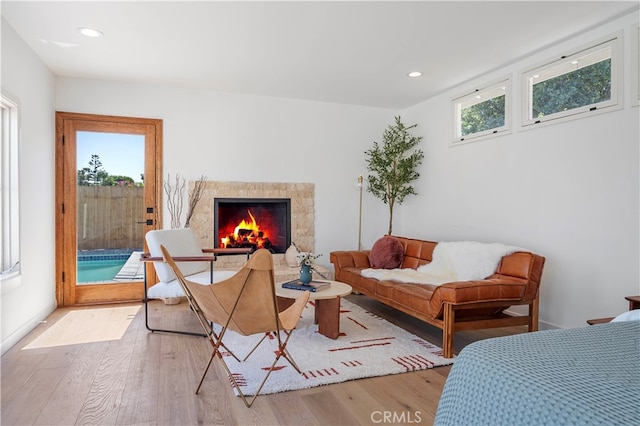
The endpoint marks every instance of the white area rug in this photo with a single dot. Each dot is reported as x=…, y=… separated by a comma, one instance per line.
x=86, y=326
x=368, y=346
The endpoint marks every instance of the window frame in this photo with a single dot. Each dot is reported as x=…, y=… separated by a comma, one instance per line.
x=615, y=102
x=504, y=83
x=635, y=64
x=10, y=268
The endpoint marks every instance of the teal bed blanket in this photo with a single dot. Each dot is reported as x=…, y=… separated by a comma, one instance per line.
x=582, y=376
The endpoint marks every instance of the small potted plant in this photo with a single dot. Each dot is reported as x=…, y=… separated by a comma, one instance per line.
x=307, y=263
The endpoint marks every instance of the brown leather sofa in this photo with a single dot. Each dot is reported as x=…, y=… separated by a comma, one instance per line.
x=454, y=306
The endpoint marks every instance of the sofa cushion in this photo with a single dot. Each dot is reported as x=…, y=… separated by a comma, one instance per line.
x=352, y=276
x=417, y=252
x=386, y=253
x=413, y=296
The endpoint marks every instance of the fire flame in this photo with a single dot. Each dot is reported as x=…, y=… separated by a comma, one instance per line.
x=248, y=231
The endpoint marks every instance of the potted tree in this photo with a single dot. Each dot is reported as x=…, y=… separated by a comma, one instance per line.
x=393, y=165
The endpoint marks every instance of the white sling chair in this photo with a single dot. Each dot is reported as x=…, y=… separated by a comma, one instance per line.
x=194, y=262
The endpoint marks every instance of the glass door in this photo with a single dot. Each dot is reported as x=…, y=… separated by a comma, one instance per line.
x=109, y=182
x=109, y=208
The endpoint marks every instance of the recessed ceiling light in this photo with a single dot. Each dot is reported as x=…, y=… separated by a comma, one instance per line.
x=90, y=32
x=414, y=74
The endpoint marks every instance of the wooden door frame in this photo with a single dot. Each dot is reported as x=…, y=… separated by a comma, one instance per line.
x=67, y=228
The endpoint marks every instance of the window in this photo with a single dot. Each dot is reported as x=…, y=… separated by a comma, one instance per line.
x=482, y=113
x=9, y=232
x=575, y=84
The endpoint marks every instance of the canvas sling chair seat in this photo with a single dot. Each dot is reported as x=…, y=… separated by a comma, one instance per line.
x=246, y=304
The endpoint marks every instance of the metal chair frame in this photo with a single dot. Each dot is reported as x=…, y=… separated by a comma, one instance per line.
x=209, y=255
x=216, y=339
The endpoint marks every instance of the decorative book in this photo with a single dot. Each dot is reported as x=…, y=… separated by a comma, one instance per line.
x=313, y=286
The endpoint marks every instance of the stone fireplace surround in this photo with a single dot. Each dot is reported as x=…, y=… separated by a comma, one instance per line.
x=302, y=197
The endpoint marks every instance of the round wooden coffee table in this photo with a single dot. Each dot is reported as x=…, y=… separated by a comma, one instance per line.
x=326, y=302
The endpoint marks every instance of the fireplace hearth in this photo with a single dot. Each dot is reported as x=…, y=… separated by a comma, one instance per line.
x=252, y=223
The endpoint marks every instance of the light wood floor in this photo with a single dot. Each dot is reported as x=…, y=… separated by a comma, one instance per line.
x=149, y=378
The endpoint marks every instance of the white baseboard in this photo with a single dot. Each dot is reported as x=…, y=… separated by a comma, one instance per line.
x=541, y=324
x=9, y=341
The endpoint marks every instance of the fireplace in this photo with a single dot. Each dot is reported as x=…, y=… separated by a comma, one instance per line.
x=252, y=223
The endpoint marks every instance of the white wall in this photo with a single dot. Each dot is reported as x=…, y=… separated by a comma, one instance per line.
x=568, y=191
x=233, y=137
x=27, y=81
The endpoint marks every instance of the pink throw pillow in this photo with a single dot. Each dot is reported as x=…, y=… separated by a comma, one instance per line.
x=386, y=253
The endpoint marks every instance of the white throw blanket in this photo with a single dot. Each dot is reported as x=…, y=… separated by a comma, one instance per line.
x=452, y=261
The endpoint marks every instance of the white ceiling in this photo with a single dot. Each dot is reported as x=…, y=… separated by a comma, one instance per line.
x=346, y=52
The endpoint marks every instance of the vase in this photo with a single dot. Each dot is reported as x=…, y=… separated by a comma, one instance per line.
x=290, y=256
x=305, y=274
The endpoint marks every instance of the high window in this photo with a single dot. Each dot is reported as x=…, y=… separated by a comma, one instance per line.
x=482, y=113
x=10, y=227
x=576, y=84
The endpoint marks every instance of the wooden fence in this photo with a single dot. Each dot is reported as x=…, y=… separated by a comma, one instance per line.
x=108, y=217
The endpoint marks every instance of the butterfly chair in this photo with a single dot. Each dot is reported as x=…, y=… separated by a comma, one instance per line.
x=245, y=303
x=195, y=263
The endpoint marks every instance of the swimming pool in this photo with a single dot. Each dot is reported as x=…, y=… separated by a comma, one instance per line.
x=98, y=270
x=101, y=265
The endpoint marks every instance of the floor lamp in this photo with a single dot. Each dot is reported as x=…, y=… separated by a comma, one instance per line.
x=359, y=184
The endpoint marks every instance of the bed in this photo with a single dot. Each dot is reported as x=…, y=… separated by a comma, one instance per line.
x=580, y=376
